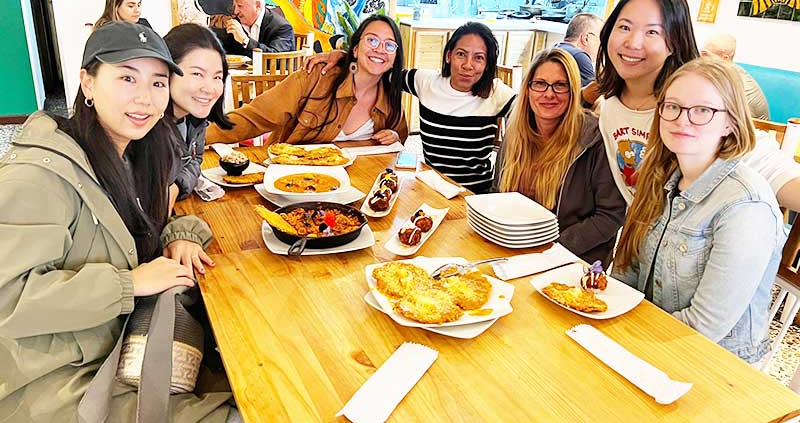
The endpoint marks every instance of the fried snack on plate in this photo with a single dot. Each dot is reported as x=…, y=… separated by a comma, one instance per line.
x=470, y=291
x=285, y=148
x=247, y=178
x=428, y=306
x=291, y=159
x=399, y=279
x=575, y=297
x=275, y=220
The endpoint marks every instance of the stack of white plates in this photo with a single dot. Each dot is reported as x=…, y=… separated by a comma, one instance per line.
x=511, y=220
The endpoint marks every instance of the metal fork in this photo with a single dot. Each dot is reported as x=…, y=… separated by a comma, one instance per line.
x=462, y=268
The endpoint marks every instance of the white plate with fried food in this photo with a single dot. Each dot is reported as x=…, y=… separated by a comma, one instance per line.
x=461, y=331
x=309, y=155
x=415, y=233
x=618, y=297
x=406, y=293
x=254, y=174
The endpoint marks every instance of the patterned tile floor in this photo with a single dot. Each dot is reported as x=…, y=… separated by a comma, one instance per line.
x=786, y=359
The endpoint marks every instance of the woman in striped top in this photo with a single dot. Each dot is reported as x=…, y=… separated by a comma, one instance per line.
x=458, y=105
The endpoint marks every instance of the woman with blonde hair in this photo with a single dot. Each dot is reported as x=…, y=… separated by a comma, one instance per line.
x=122, y=10
x=553, y=153
x=704, y=234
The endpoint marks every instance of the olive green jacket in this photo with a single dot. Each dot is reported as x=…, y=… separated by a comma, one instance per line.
x=65, y=283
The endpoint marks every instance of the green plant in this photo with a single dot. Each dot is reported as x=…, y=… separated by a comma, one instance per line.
x=349, y=23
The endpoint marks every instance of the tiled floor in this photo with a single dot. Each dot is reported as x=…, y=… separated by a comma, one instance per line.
x=782, y=368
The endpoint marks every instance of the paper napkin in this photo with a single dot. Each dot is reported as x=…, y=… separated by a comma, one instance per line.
x=380, y=394
x=374, y=149
x=208, y=190
x=222, y=149
x=433, y=180
x=528, y=264
x=649, y=379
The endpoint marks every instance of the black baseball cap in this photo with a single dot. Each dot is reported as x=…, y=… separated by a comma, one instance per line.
x=118, y=41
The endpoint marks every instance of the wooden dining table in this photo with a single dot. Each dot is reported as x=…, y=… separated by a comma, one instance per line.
x=298, y=340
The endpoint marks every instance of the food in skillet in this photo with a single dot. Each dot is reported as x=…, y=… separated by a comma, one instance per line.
x=247, y=178
x=307, y=183
x=295, y=155
x=575, y=297
x=415, y=295
x=310, y=223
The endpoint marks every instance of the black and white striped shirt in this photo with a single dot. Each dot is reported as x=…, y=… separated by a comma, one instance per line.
x=457, y=128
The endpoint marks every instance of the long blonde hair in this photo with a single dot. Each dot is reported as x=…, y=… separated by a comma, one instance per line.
x=109, y=13
x=659, y=162
x=535, y=165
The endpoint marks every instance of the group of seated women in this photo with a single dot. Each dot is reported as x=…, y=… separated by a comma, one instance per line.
x=673, y=159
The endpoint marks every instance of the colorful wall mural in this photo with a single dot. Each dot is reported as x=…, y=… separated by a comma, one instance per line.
x=788, y=10
x=322, y=17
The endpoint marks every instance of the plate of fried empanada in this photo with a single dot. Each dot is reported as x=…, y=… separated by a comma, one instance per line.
x=254, y=174
x=308, y=155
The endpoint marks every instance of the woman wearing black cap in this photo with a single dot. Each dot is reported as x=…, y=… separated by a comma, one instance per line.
x=83, y=219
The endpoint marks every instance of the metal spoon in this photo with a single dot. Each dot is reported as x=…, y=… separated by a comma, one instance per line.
x=462, y=268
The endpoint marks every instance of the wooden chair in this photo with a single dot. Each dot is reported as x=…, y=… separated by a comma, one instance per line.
x=304, y=41
x=245, y=88
x=283, y=63
x=788, y=282
x=510, y=75
x=778, y=130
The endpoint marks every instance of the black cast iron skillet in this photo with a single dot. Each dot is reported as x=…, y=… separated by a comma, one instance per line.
x=300, y=243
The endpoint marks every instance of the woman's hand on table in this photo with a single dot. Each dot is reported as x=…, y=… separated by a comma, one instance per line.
x=328, y=59
x=189, y=254
x=159, y=275
x=386, y=137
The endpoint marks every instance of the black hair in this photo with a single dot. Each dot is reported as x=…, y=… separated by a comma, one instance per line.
x=185, y=38
x=679, y=35
x=482, y=88
x=390, y=79
x=141, y=200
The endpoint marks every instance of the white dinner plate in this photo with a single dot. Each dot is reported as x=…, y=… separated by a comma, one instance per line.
x=461, y=331
x=276, y=171
x=512, y=244
x=215, y=175
x=367, y=210
x=350, y=157
x=620, y=297
x=365, y=239
x=499, y=299
x=509, y=208
x=395, y=246
x=342, y=197
x=503, y=232
x=237, y=60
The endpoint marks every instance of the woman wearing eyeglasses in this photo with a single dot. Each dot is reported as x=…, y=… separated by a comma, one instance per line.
x=704, y=234
x=554, y=154
x=355, y=100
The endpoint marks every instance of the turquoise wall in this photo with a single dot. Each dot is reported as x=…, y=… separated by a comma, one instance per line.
x=16, y=83
x=782, y=89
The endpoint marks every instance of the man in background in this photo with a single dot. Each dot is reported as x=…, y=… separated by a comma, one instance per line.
x=582, y=41
x=723, y=46
x=254, y=26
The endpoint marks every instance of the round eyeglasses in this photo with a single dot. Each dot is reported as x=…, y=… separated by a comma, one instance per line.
x=389, y=46
x=542, y=86
x=698, y=115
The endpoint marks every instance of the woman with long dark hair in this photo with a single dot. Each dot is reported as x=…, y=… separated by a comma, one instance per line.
x=197, y=97
x=458, y=105
x=642, y=43
x=122, y=10
x=553, y=153
x=83, y=219
x=704, y=234
x=356, y=100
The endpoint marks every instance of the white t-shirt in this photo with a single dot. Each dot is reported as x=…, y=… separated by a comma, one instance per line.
x=625, y=133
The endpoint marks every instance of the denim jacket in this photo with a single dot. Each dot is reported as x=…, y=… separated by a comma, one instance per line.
x=714, y=253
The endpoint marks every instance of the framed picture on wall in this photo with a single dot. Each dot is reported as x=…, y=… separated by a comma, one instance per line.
x=785, y=10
